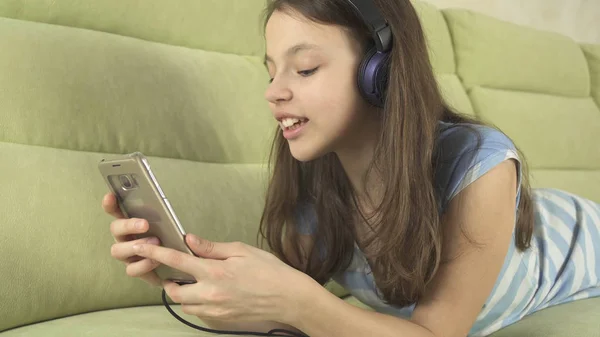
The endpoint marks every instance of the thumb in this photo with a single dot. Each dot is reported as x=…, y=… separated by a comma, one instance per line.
x=207, y=249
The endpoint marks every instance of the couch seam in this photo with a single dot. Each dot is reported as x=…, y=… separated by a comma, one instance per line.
x=455, y=59
x=527, y=91
x=589, y=67
x=4, y=141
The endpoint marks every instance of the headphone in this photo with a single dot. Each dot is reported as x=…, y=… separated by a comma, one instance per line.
x=374, y=68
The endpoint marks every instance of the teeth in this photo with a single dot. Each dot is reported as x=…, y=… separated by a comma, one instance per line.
x=287, y=122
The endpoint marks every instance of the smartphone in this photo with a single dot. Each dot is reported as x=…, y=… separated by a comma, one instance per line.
x=139, y=195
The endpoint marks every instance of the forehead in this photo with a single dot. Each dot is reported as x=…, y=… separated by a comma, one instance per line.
x=286, y=29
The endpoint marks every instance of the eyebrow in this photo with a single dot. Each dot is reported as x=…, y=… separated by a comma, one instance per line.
x=294, y=50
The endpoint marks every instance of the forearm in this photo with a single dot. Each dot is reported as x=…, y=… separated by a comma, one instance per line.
x=324, y=314
x=262, y=326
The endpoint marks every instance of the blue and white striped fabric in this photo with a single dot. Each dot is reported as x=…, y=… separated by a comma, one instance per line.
x=562, y=265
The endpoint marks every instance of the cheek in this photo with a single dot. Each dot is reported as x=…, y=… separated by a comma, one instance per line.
x=340, y=107
x=332, y=98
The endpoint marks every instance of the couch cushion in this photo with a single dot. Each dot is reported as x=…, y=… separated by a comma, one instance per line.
x=58, y=238
x=498, y=54
x=573, y=319
x=592, y=54
x=108, y=93
x=148, y=321
x=582, y=182
x=454, y=93
x=227, y=26
x=578, y=319
x=566, y=127
x=441, y=55
x=436, y=32
x=541, y=89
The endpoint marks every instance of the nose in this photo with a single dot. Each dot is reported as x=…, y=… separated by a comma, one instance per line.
x=278, y=92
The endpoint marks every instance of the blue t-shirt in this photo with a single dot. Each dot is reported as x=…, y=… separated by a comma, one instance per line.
x=562, y=264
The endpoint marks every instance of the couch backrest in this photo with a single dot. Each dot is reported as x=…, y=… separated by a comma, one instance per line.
x=187, y=82
x=541, y=88
x=183, y=81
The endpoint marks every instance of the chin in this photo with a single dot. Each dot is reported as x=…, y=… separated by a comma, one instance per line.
x=305, y=152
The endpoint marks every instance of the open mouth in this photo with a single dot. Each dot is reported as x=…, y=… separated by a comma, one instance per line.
x=292, y=123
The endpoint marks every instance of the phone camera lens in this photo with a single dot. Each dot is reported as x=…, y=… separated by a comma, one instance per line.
x=125, y=181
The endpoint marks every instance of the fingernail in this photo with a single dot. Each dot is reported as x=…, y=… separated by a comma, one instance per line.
x=153, y=241
x=139, y=224
x=194, y=239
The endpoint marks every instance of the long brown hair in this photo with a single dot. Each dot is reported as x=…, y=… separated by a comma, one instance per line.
x=407, y=228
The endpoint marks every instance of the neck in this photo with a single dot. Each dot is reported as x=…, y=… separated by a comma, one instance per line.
x=355, y=156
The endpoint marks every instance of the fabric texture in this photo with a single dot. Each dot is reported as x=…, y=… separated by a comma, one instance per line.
x=53, y=270
x=115, y=94
x=514, y=58
x=574, y=319
x=592, y=54
x=224, y=26
x=562, y=265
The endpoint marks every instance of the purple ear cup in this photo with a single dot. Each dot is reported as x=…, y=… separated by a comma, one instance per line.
x=373, y=75
x=374, y=68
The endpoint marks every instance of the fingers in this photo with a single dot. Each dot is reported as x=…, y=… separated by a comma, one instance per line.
x=122, y=229
x=110, y=206
x=137, y=266
x=123, y=251
x=190, y=293
x=216, y=312
x=137, y=269
x=152, y=279
x=170, y=257
x=192, y=309
x=144, y=270
x=215, y=250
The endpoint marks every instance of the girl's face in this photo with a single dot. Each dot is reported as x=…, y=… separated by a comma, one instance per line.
x=314, y=85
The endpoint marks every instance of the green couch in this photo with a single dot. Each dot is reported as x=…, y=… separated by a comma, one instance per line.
x=184, y=85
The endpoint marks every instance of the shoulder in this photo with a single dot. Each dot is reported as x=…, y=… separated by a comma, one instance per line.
x=464, y=153
x=477, y=237
x=480, y=186
x=458, y=138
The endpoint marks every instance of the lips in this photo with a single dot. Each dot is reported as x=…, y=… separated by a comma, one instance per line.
x=294, y=130
x=291, y=125
x=291, y=122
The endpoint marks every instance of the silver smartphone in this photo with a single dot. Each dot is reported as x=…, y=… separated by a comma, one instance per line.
x=139, y=195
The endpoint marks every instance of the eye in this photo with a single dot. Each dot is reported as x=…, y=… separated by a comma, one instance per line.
x=307, y=73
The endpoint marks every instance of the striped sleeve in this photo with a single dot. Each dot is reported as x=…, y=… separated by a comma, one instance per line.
x=467, y=154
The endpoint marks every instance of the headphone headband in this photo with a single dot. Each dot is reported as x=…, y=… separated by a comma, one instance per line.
x=382, y=34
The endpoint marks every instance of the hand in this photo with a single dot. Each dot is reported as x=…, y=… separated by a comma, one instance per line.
x=235, y=281
x=124, y=230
